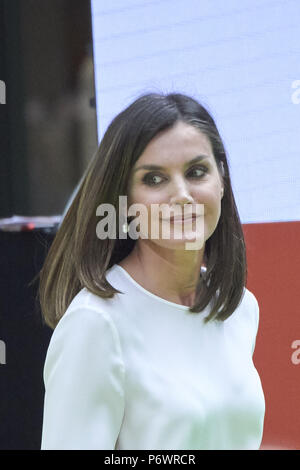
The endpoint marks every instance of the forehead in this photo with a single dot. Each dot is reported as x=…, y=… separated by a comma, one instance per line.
x=180, y=143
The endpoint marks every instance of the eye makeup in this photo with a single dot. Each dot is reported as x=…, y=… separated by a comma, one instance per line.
x=148, y=178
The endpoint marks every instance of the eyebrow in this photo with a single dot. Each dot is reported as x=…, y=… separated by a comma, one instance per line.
x=197, y=159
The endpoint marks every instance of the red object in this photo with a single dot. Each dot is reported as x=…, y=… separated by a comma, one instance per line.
x=28, y=227
x=274, y=277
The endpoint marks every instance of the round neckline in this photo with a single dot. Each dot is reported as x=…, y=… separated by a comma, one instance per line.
x=148, y=293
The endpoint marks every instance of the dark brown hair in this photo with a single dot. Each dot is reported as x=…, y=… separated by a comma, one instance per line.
x=78, y=258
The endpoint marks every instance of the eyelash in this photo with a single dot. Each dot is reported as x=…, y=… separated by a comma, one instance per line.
x=148, y=176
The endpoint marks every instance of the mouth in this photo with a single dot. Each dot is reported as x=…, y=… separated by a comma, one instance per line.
x=189, y=218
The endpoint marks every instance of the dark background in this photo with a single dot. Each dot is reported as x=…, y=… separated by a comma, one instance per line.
x=26, y=338
x=47, y=136
x=47, y=126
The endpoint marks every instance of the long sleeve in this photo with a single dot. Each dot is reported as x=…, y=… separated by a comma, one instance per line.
x=84, y=377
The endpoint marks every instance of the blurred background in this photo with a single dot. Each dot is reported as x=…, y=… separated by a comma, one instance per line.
x=67, y=67
x=48, y=133
x=48, y=126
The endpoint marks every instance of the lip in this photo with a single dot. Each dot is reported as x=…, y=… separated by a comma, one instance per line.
x=189, y=218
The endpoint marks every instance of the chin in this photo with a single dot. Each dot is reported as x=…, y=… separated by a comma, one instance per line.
x=180, y=244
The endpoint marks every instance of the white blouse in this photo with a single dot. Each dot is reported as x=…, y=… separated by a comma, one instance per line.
x=140, y=372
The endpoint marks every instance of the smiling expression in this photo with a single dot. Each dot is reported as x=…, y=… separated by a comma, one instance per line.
x=178, y=168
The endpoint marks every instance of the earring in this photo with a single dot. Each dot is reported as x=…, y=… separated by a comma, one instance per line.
x=203, y=272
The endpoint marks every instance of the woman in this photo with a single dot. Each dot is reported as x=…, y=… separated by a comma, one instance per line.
x=153, y=342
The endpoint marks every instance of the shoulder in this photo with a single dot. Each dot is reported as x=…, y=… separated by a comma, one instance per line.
x=247, y=311
x=250, y=298
x=245, y=319
x=86, y=311
x=86, y=330
x=250, y=309
x=252, y=302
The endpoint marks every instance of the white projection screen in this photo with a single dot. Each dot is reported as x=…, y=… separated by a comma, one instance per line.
x=240, y=59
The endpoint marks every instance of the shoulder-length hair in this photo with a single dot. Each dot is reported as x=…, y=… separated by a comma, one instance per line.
x=78, y=258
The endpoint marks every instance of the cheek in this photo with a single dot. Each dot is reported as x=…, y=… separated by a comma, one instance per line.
x=210, y=197
x=144, y=196
x=212, y=209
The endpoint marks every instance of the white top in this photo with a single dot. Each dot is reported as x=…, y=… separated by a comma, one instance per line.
x=140, y=372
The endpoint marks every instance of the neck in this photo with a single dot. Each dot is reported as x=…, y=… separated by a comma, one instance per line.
x=170, y=274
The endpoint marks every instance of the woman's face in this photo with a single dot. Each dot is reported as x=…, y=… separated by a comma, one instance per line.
x=178, y=167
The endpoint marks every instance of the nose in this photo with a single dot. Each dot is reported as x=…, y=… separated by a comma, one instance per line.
x=180, y=193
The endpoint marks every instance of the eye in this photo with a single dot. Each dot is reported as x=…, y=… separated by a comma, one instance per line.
x=197, y=172
x=152, y=179
x=155, y=179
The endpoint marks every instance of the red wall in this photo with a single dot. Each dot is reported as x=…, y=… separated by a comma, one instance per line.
x=273, y=254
